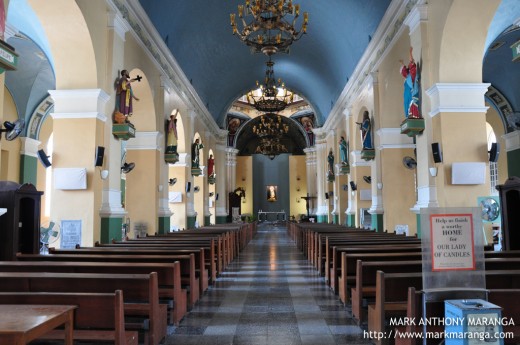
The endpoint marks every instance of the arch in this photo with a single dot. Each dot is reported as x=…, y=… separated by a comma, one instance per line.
x=181, y=133
x=144, y=111
x=463, y=18
x=70, y=43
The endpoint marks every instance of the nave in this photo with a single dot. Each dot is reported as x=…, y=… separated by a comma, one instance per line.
x=268, y=295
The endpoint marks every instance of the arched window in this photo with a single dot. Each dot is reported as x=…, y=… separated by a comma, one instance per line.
x=493, y=166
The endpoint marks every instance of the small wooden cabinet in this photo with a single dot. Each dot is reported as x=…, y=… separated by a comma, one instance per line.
x=20, y=225
x=509, y=193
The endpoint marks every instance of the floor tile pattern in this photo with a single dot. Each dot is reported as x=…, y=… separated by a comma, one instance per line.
x=269, y=295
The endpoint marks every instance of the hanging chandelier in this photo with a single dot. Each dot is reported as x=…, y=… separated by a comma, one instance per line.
x=271, y=27
x=270, y=130
x=271, y=96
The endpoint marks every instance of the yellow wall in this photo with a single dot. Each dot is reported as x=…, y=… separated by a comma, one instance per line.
x=244, y=179
x=10, y=155
x=178, y=218
x=297, y=185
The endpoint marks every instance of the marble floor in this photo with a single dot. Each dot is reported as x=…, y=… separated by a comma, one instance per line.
x=269, y=295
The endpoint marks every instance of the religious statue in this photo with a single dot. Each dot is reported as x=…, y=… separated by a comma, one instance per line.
x=411, y=88
x=271, y=193
x=195, y=148
x=211, y=170
x=330, y=159
x=366, y=132
x=343, y=151
x=124, y=97
x=171, y=145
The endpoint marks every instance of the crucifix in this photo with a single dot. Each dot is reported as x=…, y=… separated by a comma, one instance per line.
x=307, y=198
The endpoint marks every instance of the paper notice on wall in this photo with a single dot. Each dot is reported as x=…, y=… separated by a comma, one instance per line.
x=452, y=244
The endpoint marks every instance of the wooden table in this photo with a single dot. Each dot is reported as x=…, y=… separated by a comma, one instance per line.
x=20, y=324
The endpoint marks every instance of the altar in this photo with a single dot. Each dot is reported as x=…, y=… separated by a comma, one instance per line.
x=272, y=216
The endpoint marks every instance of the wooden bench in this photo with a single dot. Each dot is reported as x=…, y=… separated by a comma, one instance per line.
x=168, y=277
x=189, y=278
x=140, y=291
x=99, y=316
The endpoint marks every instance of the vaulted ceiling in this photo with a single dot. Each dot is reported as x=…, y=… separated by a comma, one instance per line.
x=221, y=68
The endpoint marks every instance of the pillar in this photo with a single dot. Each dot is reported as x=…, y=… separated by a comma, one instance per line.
x=78, y=118
x=512, y=149
x=310, y=160
x=28, y=160
x=321, y=176
x=221, y=183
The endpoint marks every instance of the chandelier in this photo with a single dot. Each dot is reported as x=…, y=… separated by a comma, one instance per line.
x=271, y=96
x=270, y=130
x=271, y=28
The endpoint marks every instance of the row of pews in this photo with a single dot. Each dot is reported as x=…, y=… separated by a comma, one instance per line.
x=380, y=276
x=126, y=292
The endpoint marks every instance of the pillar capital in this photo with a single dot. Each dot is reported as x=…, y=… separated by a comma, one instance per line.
x=417, y=15
x=29, y=146
x=457, y=98
x=116, y=22
x=79, y=104
x=145, y=141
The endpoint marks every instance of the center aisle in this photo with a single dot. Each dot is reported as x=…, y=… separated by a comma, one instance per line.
x=270, y=295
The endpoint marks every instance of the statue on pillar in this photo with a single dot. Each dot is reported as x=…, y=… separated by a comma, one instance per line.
x=195, y=160
x=171, y=155
x=367, y=153
x=330, y=160
x=414, y=122
x=123, y=128
x=343, y=151
x=211, y=170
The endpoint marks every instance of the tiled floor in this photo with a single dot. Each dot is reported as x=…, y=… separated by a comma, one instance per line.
x=270, y=295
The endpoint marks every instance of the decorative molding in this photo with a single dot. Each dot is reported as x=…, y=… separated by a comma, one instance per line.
x=166, y=83
x=164, y=208
x=356, y=160
x=457, y=98
x=426, y=197
x=145, y=141
x=29, y=146
x=118, y=24
x=79, y=104
x=377, y=205
x=418, y=15
x=111, y=204
x=388, y=32
x=149, y=39
x=391, y=138
x=512, y=141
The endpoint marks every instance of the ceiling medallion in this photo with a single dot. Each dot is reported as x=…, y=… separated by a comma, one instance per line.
x=271, y=96
x=270, y=26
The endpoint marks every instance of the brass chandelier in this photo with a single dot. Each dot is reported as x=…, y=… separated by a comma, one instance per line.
x=271, y=27
x=270, y=130
x=271, y=96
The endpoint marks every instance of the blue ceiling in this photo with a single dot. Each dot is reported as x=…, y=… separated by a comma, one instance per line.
x=221, y=68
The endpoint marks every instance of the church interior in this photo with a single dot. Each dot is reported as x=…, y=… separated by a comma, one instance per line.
x=263, y=121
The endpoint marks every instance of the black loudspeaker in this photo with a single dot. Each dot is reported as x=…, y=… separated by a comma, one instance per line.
x=188, y=187
x=436, y=152
x=494, y=152
x=100, y=153
x=326, y=195
x=216, y=197
x=44, y=159
x=353, y=186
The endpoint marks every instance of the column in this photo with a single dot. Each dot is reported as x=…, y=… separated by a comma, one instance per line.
x=28, y=160
x=111, y=211
x=310, y=159
x=321, y=176
x=189, y=130
x=79, y=119
x=221, y=183
x=142, y=191
x=205, y=185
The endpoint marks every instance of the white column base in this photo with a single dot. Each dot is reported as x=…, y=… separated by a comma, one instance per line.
x=111, y=205
x=427, y=197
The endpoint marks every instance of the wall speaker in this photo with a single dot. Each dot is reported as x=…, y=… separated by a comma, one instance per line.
x=188, y=187
x=436, y=152
x=100, y=153
x=326, y=195
x=353, y=185
x=216, y=197
x=44, y=159
x=494, y=152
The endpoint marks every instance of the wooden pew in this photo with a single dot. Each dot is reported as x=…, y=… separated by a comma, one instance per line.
x=168, y=277
x=99, y=316
x=140, y=291
x=189, y=278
